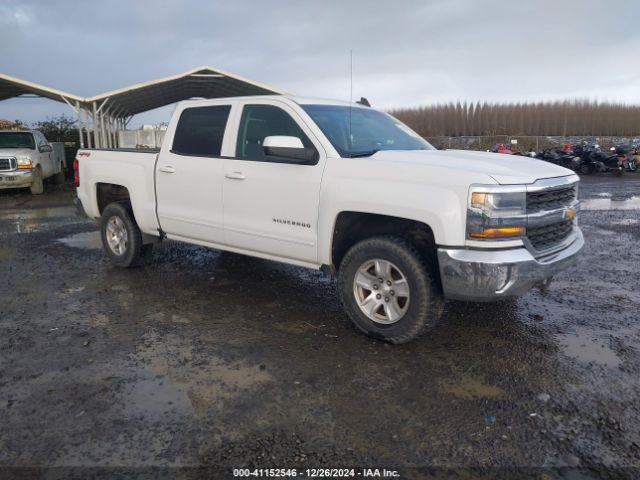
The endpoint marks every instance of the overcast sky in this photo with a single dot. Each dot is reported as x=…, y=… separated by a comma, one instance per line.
x=406, y=53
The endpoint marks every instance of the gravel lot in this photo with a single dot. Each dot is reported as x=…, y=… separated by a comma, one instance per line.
x=208, y=358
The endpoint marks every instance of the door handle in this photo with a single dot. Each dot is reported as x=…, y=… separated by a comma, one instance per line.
x=235, y=175
x=167, y=169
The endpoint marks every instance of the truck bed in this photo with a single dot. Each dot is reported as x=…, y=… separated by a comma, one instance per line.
x=131, y=168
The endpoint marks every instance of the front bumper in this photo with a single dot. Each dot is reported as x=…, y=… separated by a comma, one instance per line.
x=16, y=179
x=490, y=275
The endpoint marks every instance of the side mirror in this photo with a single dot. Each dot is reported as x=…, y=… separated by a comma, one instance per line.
x=45, y=148
x=288, y=147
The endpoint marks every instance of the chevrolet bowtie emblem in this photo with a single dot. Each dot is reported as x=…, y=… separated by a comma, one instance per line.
x=569, y=213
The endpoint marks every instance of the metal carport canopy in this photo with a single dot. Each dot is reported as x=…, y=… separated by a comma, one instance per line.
x=14, y=87
x=100, y=116
x=205, y=82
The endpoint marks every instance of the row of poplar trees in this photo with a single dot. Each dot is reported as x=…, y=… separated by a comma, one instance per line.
x=570, y=117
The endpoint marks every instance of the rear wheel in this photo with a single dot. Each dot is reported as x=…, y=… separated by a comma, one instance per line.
x=121, y=237
x=389, y=290
x=37, y=186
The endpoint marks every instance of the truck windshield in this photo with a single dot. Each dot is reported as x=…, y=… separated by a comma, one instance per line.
x=17, y=140
x=361, y=132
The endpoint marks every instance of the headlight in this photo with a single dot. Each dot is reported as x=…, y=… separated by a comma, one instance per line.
x=496, y=212
x=24, y=162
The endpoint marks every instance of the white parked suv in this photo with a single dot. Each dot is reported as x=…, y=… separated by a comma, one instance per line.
x=344, y=188
x=26, y=159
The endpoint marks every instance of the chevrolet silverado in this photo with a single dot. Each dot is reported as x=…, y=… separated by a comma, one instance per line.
x=344, y=188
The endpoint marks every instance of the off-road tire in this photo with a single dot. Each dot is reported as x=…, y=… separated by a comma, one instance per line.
x=426, y=302
x=37, y=185
x=59, y=177
x=136, y=253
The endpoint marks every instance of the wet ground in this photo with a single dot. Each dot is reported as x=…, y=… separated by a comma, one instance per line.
x=210, y=358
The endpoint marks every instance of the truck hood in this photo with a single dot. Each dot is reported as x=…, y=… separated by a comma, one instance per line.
x=14, y=152
x=504, y=169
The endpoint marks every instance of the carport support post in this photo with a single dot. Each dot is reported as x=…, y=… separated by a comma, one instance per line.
x=103, y=135
x=96, y=137
x=114, y=122
x=117, y=123
x=79, y=110
x=105, y=129
x=113, y=131
x=90, y=140
x=107, y=126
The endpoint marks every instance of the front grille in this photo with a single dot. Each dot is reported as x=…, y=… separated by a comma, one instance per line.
x=550, y=199
x=7, y=164
x=547, y=236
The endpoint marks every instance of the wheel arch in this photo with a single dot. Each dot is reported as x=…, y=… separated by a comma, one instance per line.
x=351, y=227
x=107, y=193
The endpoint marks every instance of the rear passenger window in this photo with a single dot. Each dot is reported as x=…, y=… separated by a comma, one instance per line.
x=200, y=131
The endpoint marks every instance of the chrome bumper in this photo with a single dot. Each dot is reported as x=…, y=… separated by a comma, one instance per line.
x=490, y=275
x=16, y=179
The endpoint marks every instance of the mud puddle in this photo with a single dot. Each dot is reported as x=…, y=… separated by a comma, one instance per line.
x=583, y=346
x=471, y=387
x=189, y=379
x=84, y=241
x=32, y=221
x=40, y=213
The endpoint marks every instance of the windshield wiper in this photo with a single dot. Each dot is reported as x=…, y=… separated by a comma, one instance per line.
x=362, y=154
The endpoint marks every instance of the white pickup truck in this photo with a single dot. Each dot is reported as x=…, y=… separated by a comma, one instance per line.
x=343, y=188
x=26, y=159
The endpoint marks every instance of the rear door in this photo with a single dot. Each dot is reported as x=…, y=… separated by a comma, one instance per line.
x=189, y=174
x=271, y=203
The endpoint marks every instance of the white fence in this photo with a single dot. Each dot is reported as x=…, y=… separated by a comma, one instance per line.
x=140, y=138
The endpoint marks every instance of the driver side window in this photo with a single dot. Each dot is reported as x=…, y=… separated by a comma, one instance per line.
x=261, y=121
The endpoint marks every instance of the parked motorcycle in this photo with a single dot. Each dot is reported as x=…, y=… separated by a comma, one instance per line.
x=626, y=157
x=590, y=159
x=557, y=157
x=501, y=148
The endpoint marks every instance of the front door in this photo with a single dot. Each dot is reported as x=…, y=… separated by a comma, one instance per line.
x=271, y=203
x=189, y=176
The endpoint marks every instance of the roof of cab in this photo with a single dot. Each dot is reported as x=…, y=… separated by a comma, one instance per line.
x=294, y=98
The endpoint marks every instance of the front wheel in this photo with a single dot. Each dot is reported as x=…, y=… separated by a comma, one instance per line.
x=121, y=237
x=389, y=289
x=37, y=185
